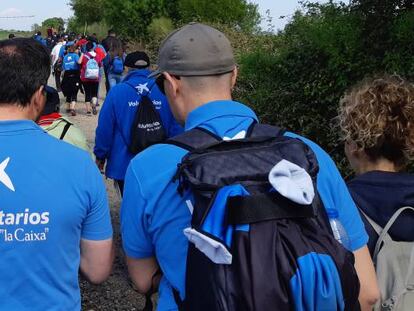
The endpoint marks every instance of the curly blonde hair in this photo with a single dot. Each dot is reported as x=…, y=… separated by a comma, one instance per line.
x=378, y=116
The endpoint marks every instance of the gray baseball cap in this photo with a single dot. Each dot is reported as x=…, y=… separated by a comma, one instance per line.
x=195, y=50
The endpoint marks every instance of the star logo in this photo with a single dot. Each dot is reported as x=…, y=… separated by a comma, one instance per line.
x=4, y=178
x=142, y=87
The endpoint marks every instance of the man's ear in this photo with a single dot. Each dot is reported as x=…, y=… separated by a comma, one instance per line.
x=234, y=75
x=37, y=102
x=171, y=85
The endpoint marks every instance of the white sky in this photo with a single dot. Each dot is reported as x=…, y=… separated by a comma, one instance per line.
x=42, y=9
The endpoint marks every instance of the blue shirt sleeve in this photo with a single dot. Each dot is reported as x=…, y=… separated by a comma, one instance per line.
x=334, y=194
x=62, y=51
x=135, y=238
x=134, y=229
x=97, y=224
x=105, y=129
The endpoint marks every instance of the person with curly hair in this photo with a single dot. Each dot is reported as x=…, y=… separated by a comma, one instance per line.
x=377, y=121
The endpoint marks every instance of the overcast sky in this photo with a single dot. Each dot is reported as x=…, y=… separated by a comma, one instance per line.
x=42, y=9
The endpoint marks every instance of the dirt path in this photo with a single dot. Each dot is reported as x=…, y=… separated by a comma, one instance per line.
x=116, y=293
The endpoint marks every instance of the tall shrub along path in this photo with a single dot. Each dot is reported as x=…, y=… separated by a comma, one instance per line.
x=116, y=293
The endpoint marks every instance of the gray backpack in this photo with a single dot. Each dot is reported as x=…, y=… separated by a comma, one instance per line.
x=394, y=264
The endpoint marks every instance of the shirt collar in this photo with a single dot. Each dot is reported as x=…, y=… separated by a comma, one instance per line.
x=18, y=125
x=216, y=109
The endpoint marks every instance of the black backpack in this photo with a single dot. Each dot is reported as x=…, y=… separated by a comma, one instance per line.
x=283, y=255
x=147, y=128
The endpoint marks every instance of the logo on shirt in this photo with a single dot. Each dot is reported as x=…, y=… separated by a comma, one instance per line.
x=157, y=104
x=4, y=178
x=141, y=88
x=24, y=226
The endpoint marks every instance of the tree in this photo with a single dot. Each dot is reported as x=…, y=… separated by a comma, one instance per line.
x=87, y=11
x=236, y=13
x=55, y=22
x=131, y=18
x=36, y=27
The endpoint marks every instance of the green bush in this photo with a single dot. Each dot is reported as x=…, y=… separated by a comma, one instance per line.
x=323, y=51
x=160, y=28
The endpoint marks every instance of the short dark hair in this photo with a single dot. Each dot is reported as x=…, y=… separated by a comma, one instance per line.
x=11, y=36
x=24, y=68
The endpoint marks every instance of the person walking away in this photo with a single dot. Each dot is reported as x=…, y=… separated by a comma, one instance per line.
x=113, y=133
x=71, y=78
x=90, y=68
x=58, y=126
x=100, y=55
x=377, y=121
x=108, y=43
x=57, y=63
x=173, y=213
x=54, y=213
x=116, y=64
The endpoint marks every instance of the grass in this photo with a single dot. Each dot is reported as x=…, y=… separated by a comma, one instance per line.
x=4, y=34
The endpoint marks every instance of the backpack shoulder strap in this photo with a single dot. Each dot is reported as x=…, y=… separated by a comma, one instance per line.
x=65, y=130
x=384, y=233
x=200, y=137
x=260, y=130
x=374, y=225
x=194, y=139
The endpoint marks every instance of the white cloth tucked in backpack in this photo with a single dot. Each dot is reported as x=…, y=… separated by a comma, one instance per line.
x=213, y=249
x=292, y=182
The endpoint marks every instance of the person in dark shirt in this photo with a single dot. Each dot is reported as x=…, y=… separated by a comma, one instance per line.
x=377, y=121
x=109, y=43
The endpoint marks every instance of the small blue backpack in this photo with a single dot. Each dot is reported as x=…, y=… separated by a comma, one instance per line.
x=117, y=65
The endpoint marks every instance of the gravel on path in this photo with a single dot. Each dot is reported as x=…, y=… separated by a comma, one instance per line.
x=116, y=293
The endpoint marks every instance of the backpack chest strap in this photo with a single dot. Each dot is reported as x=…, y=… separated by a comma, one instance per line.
x=262, y=207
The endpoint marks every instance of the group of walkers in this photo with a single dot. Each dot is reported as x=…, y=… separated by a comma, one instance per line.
x=83, y=62
x=219, y=212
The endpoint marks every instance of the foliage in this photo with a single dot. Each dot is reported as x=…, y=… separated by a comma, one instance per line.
x=160, y=28
x=325, y=49
x=55, y=22
x=87, y=11
x=131, y=18
x=238, y=13
x=135, y=19
x=36, y=27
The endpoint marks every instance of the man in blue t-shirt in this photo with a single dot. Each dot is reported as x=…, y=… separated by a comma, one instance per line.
x=197, y=71
x=54, y=215
x=118, y=112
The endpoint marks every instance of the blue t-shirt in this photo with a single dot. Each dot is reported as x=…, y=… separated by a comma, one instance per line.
x=153, y=215
x=70, y=62
x=52, y=196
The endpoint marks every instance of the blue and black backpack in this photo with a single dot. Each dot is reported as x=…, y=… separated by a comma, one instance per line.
x=250, y=247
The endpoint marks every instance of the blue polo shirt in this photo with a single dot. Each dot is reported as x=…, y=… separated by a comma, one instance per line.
x=153, y=215
x=51, y=197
